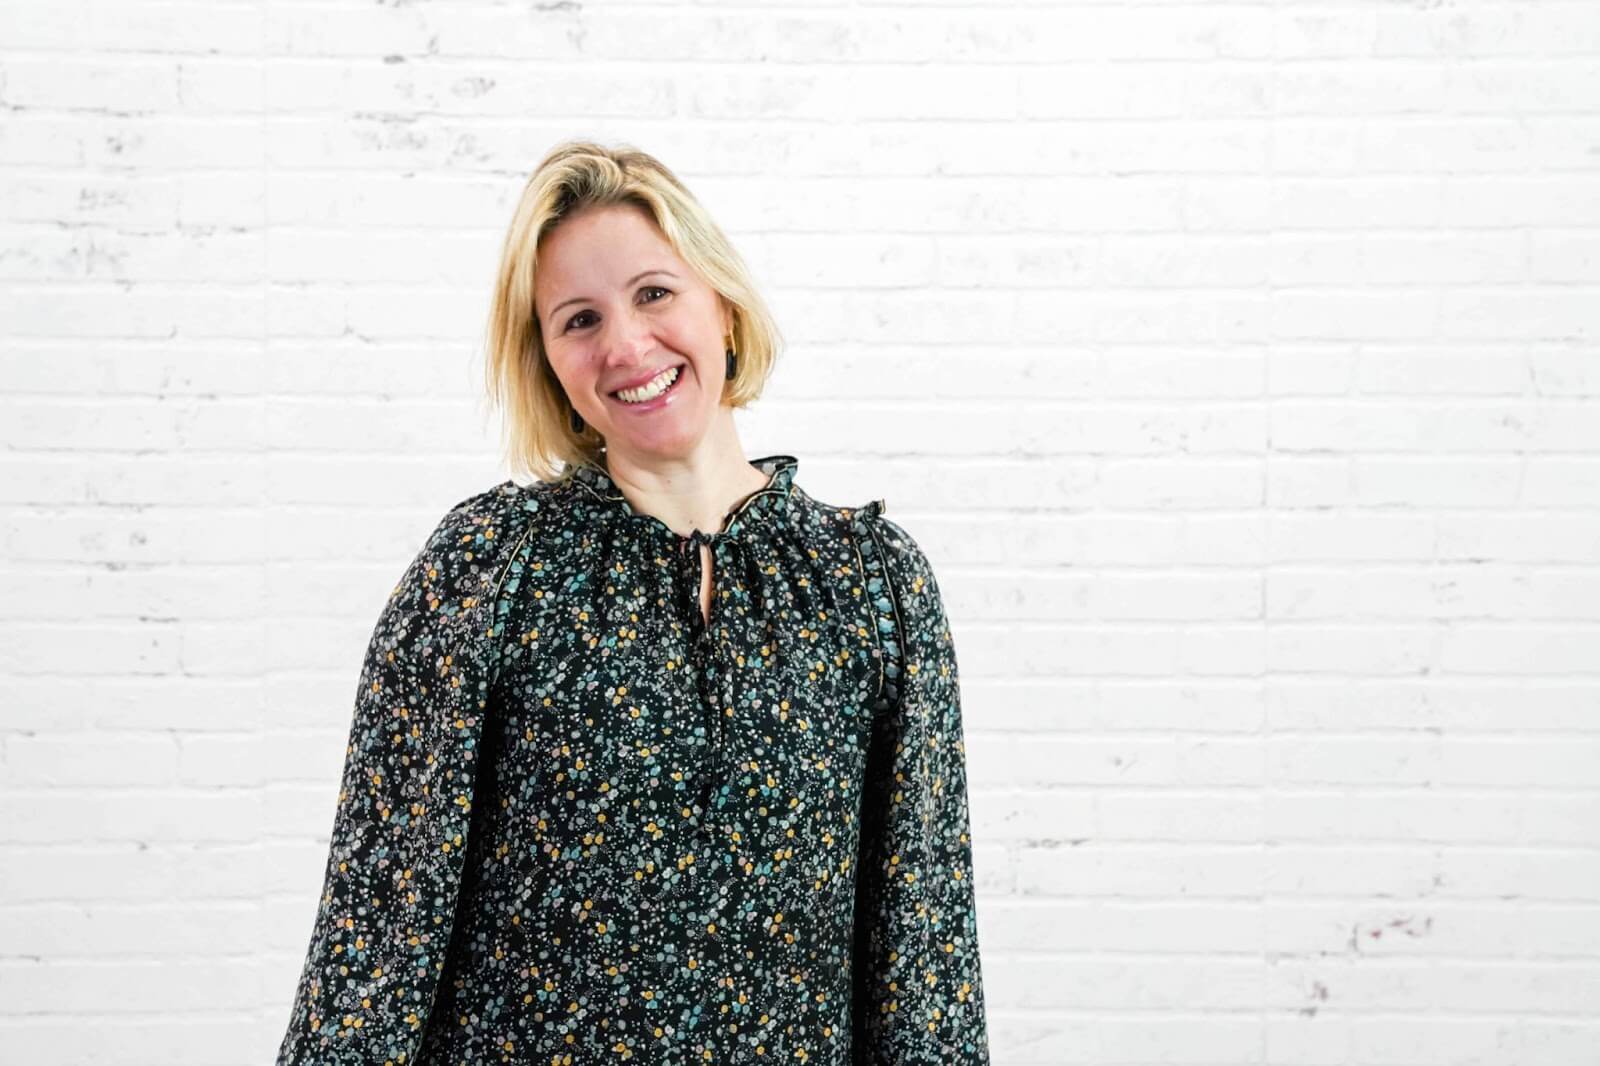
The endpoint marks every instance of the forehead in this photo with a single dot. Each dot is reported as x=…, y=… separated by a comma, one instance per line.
x=602, y=246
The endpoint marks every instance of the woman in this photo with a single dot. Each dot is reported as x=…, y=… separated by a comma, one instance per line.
x=658, y=758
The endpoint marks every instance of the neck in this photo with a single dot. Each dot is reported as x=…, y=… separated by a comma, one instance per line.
x=689, y=492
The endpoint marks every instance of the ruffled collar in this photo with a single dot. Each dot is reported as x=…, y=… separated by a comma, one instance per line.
x=769, y=504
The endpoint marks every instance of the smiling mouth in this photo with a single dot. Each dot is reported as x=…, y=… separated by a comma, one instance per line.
x=677, y=379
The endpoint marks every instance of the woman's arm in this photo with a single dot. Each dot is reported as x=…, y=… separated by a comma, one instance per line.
x=400, y=829
x=919, y=981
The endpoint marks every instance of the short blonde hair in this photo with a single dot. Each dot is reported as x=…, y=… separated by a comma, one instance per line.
x=574, y=176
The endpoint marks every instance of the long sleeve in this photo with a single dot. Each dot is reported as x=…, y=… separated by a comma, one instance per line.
x=399, y=836
x=919, y=989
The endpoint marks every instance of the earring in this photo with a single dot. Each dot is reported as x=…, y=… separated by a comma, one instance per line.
x=577, y=421
x=733, y=364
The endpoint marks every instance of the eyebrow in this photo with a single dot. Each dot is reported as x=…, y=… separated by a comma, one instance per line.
x=636, y=277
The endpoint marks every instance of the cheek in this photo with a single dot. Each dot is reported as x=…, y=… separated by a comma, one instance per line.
x=558, y=368
x=570, y=365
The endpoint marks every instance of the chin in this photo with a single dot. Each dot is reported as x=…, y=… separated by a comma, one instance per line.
x=675, y=441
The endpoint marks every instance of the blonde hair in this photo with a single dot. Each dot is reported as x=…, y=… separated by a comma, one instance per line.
x=574, y=176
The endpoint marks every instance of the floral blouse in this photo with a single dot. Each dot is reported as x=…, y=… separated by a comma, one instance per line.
x=580, y=824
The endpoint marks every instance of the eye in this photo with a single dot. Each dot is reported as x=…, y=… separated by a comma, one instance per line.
x=571, y=322
x=575, y=318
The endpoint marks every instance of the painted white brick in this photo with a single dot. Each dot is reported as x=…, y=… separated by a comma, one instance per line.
x=1235, y=365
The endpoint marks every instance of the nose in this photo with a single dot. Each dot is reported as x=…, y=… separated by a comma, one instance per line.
x=628, y=339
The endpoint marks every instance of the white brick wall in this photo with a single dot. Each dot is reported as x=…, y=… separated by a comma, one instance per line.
x=1237, y=364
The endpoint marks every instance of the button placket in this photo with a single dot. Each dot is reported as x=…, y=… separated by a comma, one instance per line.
x=713, y=679
x=703, y=648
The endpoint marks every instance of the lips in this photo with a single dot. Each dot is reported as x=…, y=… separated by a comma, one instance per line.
x=647, y=378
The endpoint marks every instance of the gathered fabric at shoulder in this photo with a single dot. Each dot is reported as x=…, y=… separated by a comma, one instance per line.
x=868, y=532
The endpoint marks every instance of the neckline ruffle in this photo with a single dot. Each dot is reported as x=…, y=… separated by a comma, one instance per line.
x=768, y=503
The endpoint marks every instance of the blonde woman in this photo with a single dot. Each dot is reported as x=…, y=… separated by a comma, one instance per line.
x=655, y=757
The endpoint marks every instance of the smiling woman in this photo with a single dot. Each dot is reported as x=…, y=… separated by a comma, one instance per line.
x=659, y=758
x=611, y=273
x=625, y=332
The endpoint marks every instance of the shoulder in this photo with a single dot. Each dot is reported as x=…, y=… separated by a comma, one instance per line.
x=858, y=519
x=464, y=556
x=896, y=538
x=909, y=569
x=903, y=559
x=906, y=554
x=476, y=527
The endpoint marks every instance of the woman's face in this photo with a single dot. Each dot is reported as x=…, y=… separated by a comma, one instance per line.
x=616, y=305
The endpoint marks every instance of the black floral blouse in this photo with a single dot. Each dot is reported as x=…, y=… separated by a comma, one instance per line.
x=579, y=824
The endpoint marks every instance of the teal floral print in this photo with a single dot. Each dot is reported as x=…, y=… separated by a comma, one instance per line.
x=579, y=822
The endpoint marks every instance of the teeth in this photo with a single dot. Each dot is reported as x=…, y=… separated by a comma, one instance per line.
x=651, y=389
